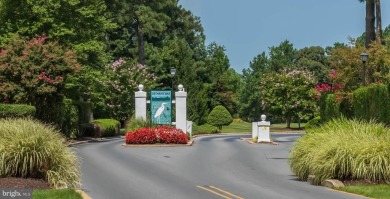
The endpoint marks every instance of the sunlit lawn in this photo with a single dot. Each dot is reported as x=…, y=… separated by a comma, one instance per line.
x=56, y=194
x=372, y=191
x=245, y=127
x=282, y=127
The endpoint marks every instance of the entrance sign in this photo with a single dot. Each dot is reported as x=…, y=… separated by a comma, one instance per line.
x=161, y=107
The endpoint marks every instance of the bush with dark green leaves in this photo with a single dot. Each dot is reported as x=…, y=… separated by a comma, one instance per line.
x=372, y=103
x=106, y=127
x=219, y=117
x=69, y=119
x=31, y=149
x=16, y=110
x=329, y=107
x=35, y=72
x=343, y=149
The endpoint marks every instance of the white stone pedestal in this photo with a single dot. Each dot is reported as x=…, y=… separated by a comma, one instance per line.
x=181, y=109
x=140, y=103
x=263, y=131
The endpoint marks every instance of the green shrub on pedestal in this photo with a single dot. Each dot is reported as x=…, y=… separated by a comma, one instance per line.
x=219, y=117
x=16, y=110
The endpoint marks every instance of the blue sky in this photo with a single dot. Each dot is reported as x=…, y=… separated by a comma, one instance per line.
x=247, y=28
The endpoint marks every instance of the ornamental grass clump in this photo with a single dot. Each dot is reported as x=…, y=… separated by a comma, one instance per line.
x=30, y=149
x=343, y=149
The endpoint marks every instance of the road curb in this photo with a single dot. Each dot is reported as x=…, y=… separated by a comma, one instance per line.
x=91, y=139
x=330, y=183
x=250, y=141
x=190, y=143
x=83, y=194
x=333, y=183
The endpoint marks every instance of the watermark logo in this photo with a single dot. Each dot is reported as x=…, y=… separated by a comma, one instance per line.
x=15, y=193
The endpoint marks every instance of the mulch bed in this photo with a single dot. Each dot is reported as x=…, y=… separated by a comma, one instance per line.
x=23, y=183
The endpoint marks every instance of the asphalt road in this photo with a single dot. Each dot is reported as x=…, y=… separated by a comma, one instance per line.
x=214, y=167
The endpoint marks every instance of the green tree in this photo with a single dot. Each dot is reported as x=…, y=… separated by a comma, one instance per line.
x=281, y=56
x=288, y=94
x=117, y=88
x=228, y=87
x=77, y=24
x=249, y=100
x=314, y=60
x=347, y=64
x=35, y=72
x=219, y=117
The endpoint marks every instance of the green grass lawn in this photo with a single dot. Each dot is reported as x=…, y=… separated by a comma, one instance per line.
x=282, y=127
x=238, y=127
x=372, y=191
x=56, y=194
x=243, y=127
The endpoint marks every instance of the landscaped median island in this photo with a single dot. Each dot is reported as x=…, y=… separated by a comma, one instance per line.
x=156, y=135
x=348, y=150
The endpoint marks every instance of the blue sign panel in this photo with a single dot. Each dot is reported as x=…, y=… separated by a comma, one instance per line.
x=161, y=107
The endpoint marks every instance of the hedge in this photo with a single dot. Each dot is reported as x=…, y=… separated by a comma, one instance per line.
x=69, y=119
x=106, y=127
x=16, y=110
x=372, y=103
x=329, y=107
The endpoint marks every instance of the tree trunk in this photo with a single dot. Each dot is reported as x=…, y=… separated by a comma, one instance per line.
x=370, y=22
x=378, y=21
x=288, y=121
x=299, y=123
x=141, y=44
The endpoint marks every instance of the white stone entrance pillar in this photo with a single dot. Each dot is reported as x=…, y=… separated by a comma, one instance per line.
x=140, y=103
x=181, y=109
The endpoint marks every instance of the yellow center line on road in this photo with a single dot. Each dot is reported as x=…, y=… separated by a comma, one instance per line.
x=211, y=191
x=219, y=192
x=228, y=193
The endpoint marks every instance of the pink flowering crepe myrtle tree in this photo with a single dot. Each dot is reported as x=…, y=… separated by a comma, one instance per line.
x=122, y=78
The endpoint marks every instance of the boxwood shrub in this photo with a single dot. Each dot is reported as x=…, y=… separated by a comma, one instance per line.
x=219, y=117
x=106, y=127
x=16, y=110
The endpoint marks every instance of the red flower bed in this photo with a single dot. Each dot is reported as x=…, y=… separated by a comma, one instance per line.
x=170, y=135
x=141, y=136
x=160, y=134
